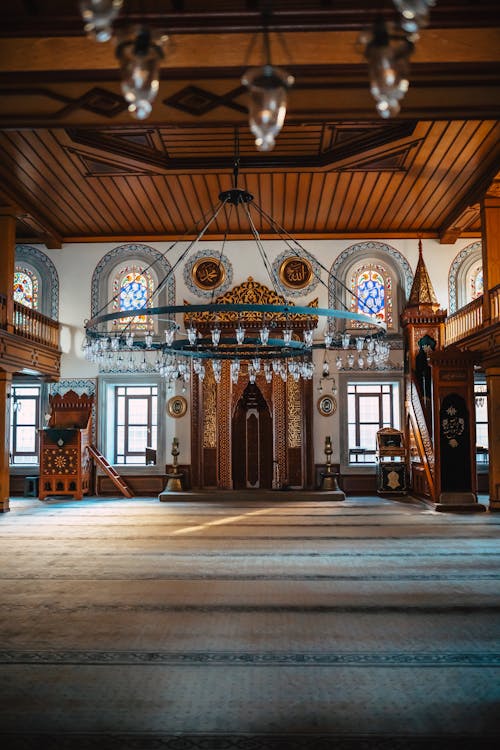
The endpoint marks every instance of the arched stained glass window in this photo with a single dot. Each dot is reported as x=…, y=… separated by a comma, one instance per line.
x=132, y=290
x=476, y=283
x=26, y=287
x=372, y=289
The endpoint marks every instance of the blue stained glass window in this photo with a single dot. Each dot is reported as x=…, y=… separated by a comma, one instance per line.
x=25, y=288
x=133, y=292
x=371, y=293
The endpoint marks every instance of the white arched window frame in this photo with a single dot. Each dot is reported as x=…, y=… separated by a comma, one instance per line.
x=371, y=285
x=144, y=261
x=26, y=286
x=380, y=257
x=31, y=263
x=131, y=288
x=465, y=279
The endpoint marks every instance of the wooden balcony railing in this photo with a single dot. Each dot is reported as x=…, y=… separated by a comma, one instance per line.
x=469, y=319
x=31, y=324
x=465, y=321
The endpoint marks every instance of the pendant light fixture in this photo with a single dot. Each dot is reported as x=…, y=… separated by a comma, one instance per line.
x=268, y=88
x=140, y=56
x=388, y=52
x=98, y=16
x=414, y=14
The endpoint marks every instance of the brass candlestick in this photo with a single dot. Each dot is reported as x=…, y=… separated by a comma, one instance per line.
x=328, y=452
x=328, y=477
x=174, y=483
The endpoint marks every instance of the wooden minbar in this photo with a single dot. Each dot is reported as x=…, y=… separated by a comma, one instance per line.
x=65, y=462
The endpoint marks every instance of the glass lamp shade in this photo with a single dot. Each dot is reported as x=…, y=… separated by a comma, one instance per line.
x=267, y=87
x=98, y=16
x=140, y=70
x=414, y=14
x=388, y=62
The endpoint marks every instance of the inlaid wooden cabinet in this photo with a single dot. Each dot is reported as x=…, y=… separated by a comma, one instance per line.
x=391, y=461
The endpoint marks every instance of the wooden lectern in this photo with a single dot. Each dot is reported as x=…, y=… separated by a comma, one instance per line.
x=65, y=462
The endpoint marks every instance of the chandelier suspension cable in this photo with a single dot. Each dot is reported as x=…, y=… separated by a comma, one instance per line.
x=267, y=265
x=288, y=240
x=142, y=310
x=163, y=255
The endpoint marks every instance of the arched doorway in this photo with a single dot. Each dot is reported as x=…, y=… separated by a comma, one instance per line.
x=252, y=441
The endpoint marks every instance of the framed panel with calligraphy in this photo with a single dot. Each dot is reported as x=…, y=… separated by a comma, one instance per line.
x=296, y=273
x=208, y=273
x=177, y=406
x=327, y=405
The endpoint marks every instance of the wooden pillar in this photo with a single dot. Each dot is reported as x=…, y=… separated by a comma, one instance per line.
x=490, y=220
x=8, y=254
x=493, y=386
x=490, y=223
x=5, y=405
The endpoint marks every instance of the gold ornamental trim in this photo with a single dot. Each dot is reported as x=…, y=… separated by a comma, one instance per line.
x=251, y=292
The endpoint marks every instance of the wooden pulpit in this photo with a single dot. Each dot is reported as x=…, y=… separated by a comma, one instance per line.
x=65, y=462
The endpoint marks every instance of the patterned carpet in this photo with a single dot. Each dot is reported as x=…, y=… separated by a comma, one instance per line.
x=248, y=623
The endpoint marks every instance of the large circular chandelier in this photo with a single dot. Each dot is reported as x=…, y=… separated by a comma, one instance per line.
x=269, y=335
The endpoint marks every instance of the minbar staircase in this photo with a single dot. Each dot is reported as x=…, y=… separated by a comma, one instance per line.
x=108, y=469
x=423, y=439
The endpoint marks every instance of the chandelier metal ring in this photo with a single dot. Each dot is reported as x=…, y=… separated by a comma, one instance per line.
x=93, y=332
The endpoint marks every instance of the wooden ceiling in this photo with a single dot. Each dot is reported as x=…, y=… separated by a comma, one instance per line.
x=75, y=166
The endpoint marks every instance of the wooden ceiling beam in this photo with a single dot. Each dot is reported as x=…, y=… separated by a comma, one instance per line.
x=25, y=210
x=239, y=51
x=467, y=210
x=35, y=19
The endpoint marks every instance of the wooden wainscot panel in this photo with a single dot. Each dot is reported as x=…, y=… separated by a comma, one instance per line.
x=359, y=484
x=17, y=354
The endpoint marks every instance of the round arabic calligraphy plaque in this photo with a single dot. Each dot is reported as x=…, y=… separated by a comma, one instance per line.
x=208, y=273
x=296, y=273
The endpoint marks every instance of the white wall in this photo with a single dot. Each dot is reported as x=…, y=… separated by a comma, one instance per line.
x=76, y=262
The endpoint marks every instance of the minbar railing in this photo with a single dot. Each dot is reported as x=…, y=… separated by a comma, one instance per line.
x=30, y=324
x=421, y=433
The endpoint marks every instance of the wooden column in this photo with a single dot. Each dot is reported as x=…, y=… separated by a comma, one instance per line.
x=493, y=384
x=490, y=219
x=8, y=254
x=5, y=404
x=490, y=223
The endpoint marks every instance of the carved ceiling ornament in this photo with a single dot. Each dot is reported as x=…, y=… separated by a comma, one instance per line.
x=252, y=292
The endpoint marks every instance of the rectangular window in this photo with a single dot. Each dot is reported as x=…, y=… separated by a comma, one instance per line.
x=136, y=420
x=370, y=407
x=481, y=399
x=24, y=424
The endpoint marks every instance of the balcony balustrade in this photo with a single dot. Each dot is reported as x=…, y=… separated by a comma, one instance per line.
x=30, y=324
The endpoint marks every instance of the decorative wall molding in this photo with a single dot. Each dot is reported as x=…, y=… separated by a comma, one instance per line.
x=377, y=250
x=153, y=259
x=462, y=262
x=48, y=278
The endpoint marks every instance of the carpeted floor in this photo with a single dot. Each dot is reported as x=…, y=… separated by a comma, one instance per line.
x=248, y=623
